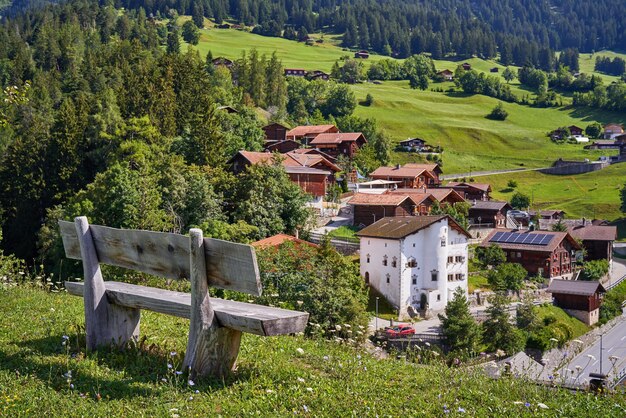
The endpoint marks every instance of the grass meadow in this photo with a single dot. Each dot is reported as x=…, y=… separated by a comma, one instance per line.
x=39, y=376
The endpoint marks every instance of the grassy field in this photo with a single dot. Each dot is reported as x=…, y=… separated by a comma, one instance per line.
x=577, y=327
x=283, y=376
x=592, y=195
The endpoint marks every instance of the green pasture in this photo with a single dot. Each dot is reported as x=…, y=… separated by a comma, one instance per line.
x=592, y=195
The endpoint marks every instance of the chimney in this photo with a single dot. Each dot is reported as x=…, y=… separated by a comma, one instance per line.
x=584, y=221
x=397, y=166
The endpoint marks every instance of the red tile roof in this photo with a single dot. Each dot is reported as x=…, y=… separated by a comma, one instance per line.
x=594, y=233
x=438, y=194
x=310, y=129
x=278, y=239
x=266, y=157
x=380, y=199
x=401, y=172
x=336, y=138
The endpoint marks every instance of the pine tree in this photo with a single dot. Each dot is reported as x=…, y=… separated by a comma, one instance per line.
x=458, y=326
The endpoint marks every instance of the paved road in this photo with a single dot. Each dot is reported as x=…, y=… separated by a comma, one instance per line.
x=613, y=358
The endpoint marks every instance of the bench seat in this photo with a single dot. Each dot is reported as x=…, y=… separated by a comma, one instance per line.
x=240, y=316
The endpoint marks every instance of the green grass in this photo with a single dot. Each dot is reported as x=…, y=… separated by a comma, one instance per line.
x=477, y=282
x=577, y=327
x=346, y=233
x=385, y=310
x=272, y=378
x=592, y=195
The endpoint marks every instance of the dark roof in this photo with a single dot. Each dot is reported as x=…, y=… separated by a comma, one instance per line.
x=306, y=170
x=575, y=287
x=485, y=187
x=489, y=205
x=551, y=245
x=594, y=233
x=400, y=227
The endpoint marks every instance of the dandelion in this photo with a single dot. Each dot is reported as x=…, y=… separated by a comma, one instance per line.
x=300, y=351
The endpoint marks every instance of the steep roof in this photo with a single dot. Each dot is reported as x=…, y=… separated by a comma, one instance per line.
x=366, y=199
x=336, y=138
x=278, y=239
x=400, y=227
x=438, y=194
x=309, y=160
x=398, y=172
x=306, y=170
x=428, y=167
x=550, y=246
x=594, y=233
x=265, y=157
x=575, y=287
x=303, y=130
x=489, y=205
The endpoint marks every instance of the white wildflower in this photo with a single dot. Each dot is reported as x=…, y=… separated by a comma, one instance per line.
x=300, y=351
x=542, y=405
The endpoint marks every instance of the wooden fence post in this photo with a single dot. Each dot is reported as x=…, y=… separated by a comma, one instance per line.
x=105, y=323
x=211, y=349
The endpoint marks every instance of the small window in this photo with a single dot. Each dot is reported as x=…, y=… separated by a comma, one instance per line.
x=438, y=298
x=411, y=263
x=413, y=245
x=450, y=259
x=443, y=242
x=384, y=260
x=414, y=279
x=394, y=262
x=433, y=275
x=368, y=242
x=385, y=245
x=368, y=258
x=367, y=277
x=388, y=277
x=519, y=255
x=450, y=277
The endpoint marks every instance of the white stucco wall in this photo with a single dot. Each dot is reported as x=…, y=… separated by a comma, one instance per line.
x=430, y=256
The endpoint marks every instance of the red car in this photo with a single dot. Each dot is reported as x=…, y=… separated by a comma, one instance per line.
x=399, y=331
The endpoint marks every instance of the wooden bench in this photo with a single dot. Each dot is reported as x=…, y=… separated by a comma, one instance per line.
x=112, y=309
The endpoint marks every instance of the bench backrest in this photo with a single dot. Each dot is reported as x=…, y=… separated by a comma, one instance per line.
x=229, y=265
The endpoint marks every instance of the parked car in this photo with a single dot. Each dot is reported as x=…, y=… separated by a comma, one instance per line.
x=399, y=331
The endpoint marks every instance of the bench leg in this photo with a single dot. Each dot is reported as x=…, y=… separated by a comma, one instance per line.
x=123, y=325
x=216, y=353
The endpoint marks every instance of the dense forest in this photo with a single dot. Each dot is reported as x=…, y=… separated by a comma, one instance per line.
x=102, y=115
x=522, y=32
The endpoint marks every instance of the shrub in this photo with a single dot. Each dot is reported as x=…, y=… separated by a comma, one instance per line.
x=498, y=113
x=369, y=99
x=594, y=270
x=511, y=184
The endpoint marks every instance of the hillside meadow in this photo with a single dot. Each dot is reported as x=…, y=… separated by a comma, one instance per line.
x=285, y=376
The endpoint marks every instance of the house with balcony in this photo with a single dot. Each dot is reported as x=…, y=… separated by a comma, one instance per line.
x=415, y=262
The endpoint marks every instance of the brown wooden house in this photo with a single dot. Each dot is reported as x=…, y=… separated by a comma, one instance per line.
x=295, y=72
x=472, y=191
x=336, y=144
x=575, y=130
x=489, y=213
x=368, y=208
x=410, y=175
x=542, y=253
x=581, y=299
x=362, y=54
x=597, y=240
x=466, y=66
x=440, y=195
x=275, y=132
x=221, y=61
x=306, y=133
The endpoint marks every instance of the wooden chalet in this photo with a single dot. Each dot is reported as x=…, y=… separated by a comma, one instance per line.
x=221, y=61
x=306, y=133
x=489, y=213
x=362, y=54
x=542, y=253
x=282, y=147
x=368, y=208
x=275, y=132
x=412, y=144
x=295, y=72
x=597, y=240
x=440, y=195
x=612, y=130
x=581, y=299
x=446, y=74
x=318, y=75
x=575, y=130
x=466, y=66
x=313, y=173
x=603, y=144
x=472, y=191
x=410, y=177
x=336, y=143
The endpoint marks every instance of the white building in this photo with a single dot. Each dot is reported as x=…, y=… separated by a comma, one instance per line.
x=415, y=261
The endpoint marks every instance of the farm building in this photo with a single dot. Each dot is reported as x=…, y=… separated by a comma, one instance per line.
x=368, y=207
x=472, y=191
x=409, y=175
x=579, y=298
x=336, y=144
x=597, y=240
x=306, y=133
x=488, y=213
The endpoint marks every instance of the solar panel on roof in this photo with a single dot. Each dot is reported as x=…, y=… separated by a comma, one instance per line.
x=523, y=239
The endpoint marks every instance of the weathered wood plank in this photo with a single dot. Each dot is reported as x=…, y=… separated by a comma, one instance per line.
x=104, y=323
x=241, y=316
x=231, y=266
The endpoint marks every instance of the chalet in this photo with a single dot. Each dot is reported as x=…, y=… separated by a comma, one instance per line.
x=596, y=240
x=581, y=299
x=542, y=253
x=416, y=262
x=318, y=75
x=316, y=152
x=446, y=74
x=547, y=214
x=279, y=239
x=221, y=61
x=295, y=72
x=603, y=144
x=275, y=132
x=313, y=175
x=362, y=54
x=282, y=147
x=412, y=144
x=488, y=213
x=434, y=170
x=612, y=130
x=411, y=177
x=306, y=133
x=575, y=130
x=472, y=191
x=494, y=70
x=368, y=208
x=466, y=66
x=336, y=144
x=440, y=195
